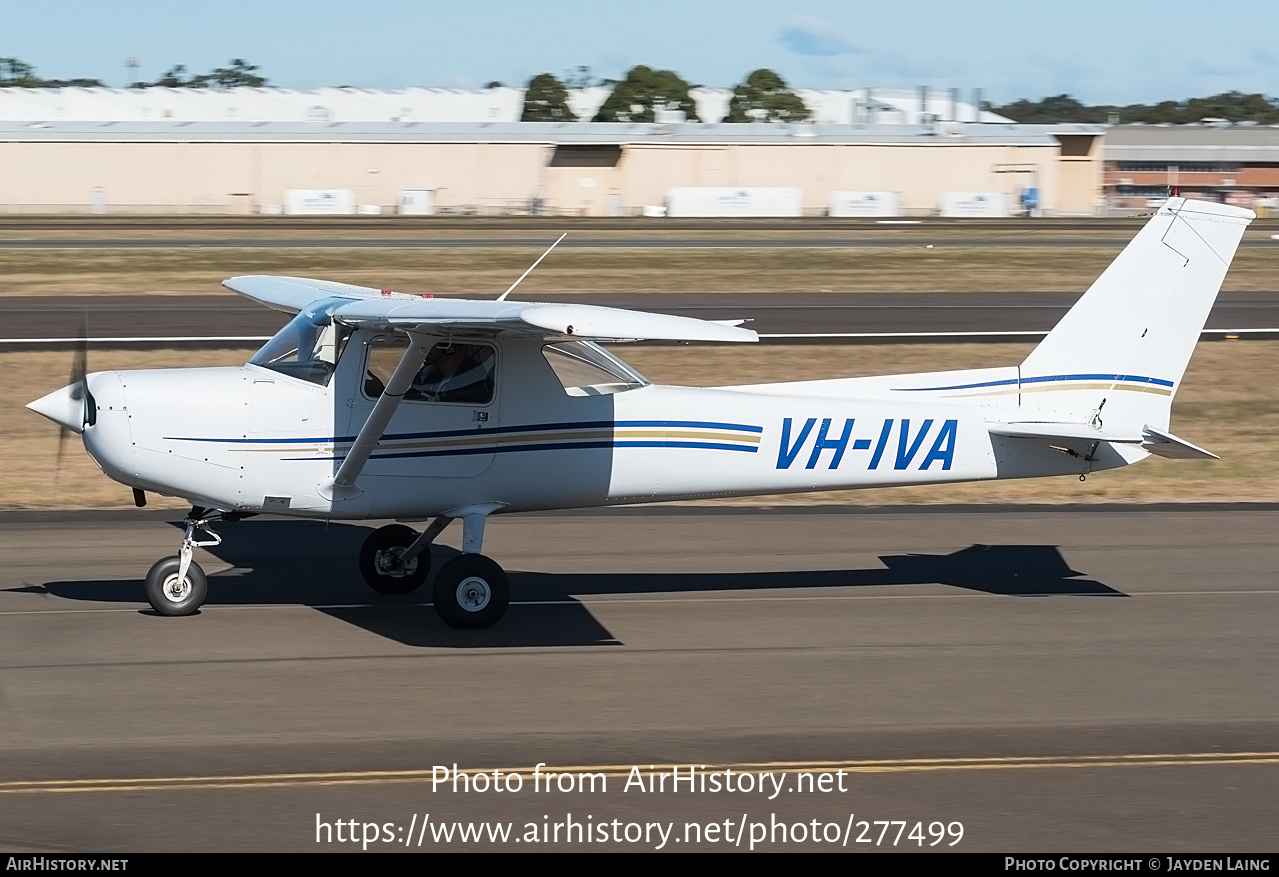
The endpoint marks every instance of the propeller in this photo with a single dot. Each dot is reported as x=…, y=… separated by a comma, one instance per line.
x=78, y=386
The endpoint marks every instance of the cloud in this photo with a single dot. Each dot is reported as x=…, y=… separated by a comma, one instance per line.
x=809, y=36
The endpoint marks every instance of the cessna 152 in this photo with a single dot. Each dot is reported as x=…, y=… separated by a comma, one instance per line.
x=374, y=405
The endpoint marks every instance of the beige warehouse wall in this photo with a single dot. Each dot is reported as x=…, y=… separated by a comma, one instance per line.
x=503, y=177
x=167, y=176
x=919, y=173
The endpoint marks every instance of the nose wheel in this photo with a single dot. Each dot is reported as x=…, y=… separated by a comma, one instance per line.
x=177, y=585
x=170, y=592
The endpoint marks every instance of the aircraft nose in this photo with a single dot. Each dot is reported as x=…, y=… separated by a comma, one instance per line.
x=64, y=407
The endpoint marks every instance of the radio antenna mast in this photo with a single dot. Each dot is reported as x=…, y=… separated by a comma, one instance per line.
x=503, y=296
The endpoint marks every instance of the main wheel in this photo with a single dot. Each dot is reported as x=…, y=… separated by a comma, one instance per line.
x=379, y=561
x=471, y=592
x=167, y=595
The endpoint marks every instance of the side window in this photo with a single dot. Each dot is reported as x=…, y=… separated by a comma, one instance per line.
x=453, y=372
x=586, y=369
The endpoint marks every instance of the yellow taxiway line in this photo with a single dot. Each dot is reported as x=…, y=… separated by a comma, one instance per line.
x=908, y=765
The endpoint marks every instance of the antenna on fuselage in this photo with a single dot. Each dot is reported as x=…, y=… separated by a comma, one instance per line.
x=503, y=296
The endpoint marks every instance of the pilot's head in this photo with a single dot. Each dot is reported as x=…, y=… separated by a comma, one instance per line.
x=447, y=357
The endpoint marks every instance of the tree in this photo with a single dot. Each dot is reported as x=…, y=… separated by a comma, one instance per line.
x=1051, y=110
x=765, y=97
x=174, y=78
x=1232, y=106
x=546, y=100
x=241, y=74
x=18, y=74
x=644, y=91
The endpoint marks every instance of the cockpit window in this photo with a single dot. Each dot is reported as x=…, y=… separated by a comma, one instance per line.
x=452, y=372
x=309, y=347
x=586, y=369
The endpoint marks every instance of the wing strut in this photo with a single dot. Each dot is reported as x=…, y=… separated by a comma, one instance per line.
x=343, y=483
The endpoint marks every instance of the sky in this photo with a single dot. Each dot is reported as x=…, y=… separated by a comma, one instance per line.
x=1120, y=51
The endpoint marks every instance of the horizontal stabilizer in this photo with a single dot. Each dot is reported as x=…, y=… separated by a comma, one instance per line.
x=1156, y=441
x=1167, y=445
x=1060, y=431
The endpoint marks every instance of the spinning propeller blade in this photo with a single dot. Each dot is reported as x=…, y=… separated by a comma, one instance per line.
x=78, y=385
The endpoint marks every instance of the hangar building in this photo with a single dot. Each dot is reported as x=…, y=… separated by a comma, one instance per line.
x=1237, y=164
x=242, y=151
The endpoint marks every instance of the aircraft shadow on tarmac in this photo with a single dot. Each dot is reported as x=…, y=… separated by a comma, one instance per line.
x=272, y=567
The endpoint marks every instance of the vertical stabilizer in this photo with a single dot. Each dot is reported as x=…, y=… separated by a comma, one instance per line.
x=1121, y=351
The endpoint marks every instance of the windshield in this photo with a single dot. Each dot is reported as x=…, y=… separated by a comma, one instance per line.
x=309, y=347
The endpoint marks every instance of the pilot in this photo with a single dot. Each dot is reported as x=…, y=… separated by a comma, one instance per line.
x=455, y=373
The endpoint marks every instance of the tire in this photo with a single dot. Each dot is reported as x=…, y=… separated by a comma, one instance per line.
x=471, y=592
x=167, y=597
x=377, y=546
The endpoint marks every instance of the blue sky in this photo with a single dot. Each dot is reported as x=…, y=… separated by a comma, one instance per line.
x=1122, y=51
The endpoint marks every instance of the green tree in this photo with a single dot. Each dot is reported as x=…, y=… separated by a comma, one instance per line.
x=176, y=77
x=644, y=91
x=1233, y=106
x=1051, y=110
x=546, y=100
x=765, y=97
x=240, y=74
x=18, y=74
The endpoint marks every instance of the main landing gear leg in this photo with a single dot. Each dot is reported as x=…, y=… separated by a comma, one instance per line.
x=472, y=591
x=177, y=585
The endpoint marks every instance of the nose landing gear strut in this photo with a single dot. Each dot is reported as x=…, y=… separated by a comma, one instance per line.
x=176, y=585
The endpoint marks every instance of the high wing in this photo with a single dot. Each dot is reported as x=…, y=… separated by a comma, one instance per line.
x=381, y=309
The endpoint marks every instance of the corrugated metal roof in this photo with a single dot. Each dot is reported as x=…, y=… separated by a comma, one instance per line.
x=1193, y=135
x=1172, y=143
x=604, y=133
x=500, y=104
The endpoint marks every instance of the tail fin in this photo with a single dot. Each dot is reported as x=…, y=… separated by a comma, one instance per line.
x=1128, y=340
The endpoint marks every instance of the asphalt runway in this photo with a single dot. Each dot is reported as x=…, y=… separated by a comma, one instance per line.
x=228, y=314
x=1067, y=680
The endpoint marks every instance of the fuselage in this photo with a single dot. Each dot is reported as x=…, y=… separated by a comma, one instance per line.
x=255, y=438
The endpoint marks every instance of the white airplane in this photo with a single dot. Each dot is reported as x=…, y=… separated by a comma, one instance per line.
x=372, y=404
